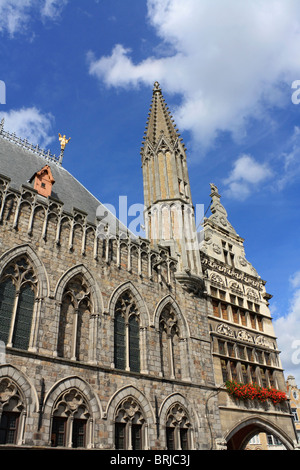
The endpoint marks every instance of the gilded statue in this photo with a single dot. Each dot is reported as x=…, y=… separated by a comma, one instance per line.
x=63, y=141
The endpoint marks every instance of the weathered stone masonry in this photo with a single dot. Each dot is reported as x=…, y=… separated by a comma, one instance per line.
x=58, y=254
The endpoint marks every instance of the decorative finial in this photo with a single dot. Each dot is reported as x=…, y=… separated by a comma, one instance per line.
x=156, y=87
x=218, y=211
x=214, y=189
x=63, y=141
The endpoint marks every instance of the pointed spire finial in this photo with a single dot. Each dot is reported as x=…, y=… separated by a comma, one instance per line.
x=160, y=120
x=214, y=191
x=156, y=87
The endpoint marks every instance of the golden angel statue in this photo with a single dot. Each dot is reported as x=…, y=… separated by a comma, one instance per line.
x=63, y=141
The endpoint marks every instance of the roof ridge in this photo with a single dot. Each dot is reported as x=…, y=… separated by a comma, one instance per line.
x=35, y=149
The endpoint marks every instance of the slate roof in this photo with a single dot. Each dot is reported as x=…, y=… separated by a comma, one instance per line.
x=20, y=164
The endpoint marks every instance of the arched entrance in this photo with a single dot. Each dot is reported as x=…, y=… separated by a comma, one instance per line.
x=239, y=437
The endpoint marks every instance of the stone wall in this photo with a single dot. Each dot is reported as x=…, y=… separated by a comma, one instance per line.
x=62, y=246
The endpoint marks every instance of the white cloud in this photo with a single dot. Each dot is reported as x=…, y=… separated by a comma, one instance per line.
x=228, y=62
x=52, y=8
x=247, y=173
x=30, y=124
x=287, y=327
x=295, y=280
x=290, y=161
x=15, y=15
x=118, y=69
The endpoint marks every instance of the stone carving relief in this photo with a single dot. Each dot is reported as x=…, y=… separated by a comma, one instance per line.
x=219, y=213
x=216, y=278
x=217, y=249
x=243, y=335
x=231, y=272
x=252, y=294
x=225, y=330
x=242, y=261
x=234, y=286
x=10, y=395
x=262, y=341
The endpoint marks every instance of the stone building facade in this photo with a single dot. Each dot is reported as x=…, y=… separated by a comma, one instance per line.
x=110, y=341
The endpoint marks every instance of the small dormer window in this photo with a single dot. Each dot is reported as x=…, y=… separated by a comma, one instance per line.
x=43, y=181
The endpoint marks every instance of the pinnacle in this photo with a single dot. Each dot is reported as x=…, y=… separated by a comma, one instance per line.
x=160, y=121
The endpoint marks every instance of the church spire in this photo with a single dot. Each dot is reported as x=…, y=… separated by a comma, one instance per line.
x=169, y=215
x=160, y=121
x=164, y=177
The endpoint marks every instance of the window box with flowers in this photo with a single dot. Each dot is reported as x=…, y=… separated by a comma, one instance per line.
x=253, y=391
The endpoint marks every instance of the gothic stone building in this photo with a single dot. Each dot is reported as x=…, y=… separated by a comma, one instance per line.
x=110, y=341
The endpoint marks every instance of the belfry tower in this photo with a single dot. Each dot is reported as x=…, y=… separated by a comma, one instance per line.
x=169, y=214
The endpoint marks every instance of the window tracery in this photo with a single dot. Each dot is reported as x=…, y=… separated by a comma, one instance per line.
x=169, y=343
x=12, y=412
x=178, y=428
x=130, y=426
x=73, y=336
x=126, y=333
x=71, y=421
x=18, y=287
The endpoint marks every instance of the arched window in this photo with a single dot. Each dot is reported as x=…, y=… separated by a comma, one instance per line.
x=71, y=421
x=169, y=343
x=17, y=295
x=73, y=335
x=130, y=426
x=127, y=334
x=178, y=428
x=12, y=412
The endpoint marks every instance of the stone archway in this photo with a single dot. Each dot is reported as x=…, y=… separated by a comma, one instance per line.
x=238, y=438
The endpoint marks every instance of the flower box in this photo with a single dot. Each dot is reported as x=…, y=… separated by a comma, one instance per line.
x=252, y=391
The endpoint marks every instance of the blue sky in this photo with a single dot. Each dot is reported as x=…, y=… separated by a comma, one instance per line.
x=86, y=69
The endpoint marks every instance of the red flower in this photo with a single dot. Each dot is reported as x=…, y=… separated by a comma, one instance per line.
x=253, y=391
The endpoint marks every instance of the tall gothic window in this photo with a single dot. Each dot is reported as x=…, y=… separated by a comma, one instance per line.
x=130, y=426
x=169, y=343
x=71, y=421
x=73, y=335
x=126, y=334
x=17, y=295
x=178, y=429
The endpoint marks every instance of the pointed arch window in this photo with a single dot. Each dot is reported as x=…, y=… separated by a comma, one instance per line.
x=18, y=286
x=71, y=421
x=73, y=335
x=127, y=334
x=169, y=343
x=130, y=426
x=178, y=429
x=12, y=412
